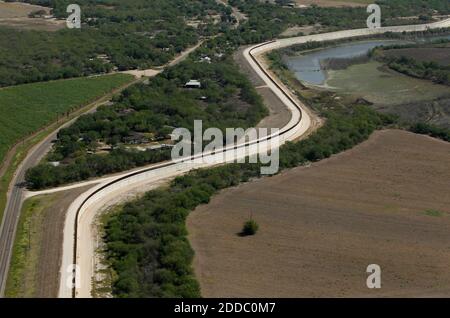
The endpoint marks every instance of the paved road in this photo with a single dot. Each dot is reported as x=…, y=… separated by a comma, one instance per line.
x=12, y=211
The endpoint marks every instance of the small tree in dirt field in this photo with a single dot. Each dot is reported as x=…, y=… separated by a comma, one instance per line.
x=250, y=228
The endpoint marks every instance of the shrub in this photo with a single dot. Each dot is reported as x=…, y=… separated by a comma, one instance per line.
x=250, y=228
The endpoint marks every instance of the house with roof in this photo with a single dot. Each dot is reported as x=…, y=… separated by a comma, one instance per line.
x=193, y=84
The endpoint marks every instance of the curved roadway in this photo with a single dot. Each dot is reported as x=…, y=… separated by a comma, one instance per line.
x=78, y=246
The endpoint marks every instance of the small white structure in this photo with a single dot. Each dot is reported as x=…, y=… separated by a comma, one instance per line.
x=193, y=84
x=205, y=59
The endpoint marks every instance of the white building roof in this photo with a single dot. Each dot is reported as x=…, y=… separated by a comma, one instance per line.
x=193, y=83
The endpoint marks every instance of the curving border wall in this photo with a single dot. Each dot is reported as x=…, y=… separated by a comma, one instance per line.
x=297, y=126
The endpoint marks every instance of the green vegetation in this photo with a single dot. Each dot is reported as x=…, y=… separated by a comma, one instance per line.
x=146, y=241
x=27, y=245
x=250, y=228
x=431, y=130
x=115, y=34
x=27, y=108
x=148, y=113
x=434, y=213
x=370, y=79
x=141, y=34
x=266, y=21
x=407, y=8
x=426, y=68
x=104, y=275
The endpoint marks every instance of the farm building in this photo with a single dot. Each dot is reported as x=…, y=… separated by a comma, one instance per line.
x=193, y=84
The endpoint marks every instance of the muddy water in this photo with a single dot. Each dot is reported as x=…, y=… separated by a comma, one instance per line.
x=307, y=67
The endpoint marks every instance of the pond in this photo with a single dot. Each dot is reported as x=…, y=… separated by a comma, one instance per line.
x=307, y=67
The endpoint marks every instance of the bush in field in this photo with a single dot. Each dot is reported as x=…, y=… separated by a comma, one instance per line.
x=250, y=228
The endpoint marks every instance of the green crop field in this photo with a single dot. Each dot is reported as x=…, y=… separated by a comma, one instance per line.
x=24, y=109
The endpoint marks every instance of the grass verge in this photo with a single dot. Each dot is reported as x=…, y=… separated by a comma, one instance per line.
x=27, y=246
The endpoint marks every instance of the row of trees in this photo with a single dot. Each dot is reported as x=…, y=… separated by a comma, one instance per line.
x=85, y=167
x=226, y=99
x=146, y=241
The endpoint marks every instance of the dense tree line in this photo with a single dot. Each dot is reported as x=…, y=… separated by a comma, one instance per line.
x=115, y=34
x=431, y=130
x=146, y=241
x=226, y=99
x=85, y=167
x=141, y=34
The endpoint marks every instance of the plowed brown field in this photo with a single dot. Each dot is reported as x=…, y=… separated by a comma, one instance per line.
x=385, y=202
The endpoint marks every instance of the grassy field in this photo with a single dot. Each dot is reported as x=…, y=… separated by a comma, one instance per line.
x=380, y=87
x=22, y=276
x=27, y=108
